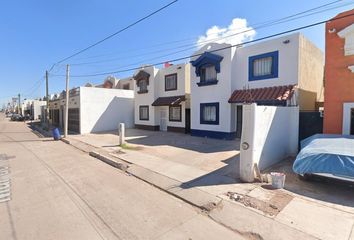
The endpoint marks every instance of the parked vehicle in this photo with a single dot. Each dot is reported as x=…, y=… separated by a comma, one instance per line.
x=17, y=117
x=326, y=155
x=27, y=117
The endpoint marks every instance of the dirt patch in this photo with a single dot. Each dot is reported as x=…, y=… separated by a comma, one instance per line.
x=271, y=207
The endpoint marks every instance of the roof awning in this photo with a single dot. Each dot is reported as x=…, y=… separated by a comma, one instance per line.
x=205, y=59
x=276, y=95
x=169, y=101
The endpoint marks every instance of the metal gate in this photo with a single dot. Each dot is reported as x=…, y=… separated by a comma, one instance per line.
x=310, y=123
x=74, y=120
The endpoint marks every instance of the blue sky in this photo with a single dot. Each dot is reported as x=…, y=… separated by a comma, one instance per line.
x=37, y=33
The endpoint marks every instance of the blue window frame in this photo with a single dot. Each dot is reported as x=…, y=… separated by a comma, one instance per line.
x=209, y=113
x=207, y=66
x=263, y=66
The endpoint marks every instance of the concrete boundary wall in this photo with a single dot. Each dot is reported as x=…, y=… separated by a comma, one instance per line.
x=103, y=109
x=269, y=135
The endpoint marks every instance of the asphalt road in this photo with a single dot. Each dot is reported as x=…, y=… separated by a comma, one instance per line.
x=58, y=192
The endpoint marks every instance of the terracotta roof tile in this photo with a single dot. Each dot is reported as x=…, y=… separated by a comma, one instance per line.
x=276, y=94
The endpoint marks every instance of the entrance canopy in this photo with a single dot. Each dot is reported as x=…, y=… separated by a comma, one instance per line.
x=277, y=95
x=169, y=101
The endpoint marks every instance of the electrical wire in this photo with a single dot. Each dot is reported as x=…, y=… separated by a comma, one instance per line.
x=255, y=27
x=116, y=33
x=220, y=49
x=189, y=46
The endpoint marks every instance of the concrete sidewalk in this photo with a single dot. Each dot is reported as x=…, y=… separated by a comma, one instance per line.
x=252, y=209
x=58, y=192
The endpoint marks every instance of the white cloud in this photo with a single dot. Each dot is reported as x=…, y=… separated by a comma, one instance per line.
x=237, y=32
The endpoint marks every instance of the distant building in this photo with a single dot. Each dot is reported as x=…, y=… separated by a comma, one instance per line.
x=95, y=108
x=339, y=76
x=32, y=107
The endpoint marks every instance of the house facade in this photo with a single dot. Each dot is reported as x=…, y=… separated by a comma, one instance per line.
x=162, y=98
x=94, y=108
x=339, y=76
x=32, y=107
x=286, y=71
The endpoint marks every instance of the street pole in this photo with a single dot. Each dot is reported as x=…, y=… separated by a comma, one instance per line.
x=66, y=102
x=47, y=99
x=19, y=104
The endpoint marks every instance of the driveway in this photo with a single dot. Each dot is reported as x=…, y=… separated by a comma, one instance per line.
x=207, y=155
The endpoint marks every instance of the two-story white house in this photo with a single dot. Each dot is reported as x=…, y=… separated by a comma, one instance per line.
x=162, y=98
x=285, y=71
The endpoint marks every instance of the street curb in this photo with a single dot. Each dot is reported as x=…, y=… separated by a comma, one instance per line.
x=196, y=197
x=109, y=160
x=40, y=131
x=67, y=141
x=193, y=196
x=214, y=207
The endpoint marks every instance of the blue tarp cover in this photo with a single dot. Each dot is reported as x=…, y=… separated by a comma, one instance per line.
x=326, y=153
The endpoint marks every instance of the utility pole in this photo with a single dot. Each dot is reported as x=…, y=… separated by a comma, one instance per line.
x=19, y=104
x=66, y=102
x=47, y=99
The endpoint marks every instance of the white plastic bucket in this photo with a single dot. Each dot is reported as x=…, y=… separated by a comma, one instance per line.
x=278, y=180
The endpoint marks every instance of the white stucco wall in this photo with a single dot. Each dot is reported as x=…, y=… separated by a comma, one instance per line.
x=36, y=108
x=103, y=109
x=156, y=89
x=272, y=135
x=183, y=81
x=183, y=88
x=180, y=124
x=146, y=98
x=220, y=92
x=288, y=68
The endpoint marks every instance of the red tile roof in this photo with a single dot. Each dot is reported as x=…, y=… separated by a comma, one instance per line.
x=274, y=95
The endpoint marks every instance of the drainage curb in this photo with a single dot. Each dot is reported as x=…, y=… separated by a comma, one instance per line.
x=41, y=131
x=67, y=141
x=109, y=160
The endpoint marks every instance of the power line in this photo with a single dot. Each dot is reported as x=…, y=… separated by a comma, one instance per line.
x=116, y=33
x=34, y=87
x=192, y=46
x=256, y=26
x=220, y=49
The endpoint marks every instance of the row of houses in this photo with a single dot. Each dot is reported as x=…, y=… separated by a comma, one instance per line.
x=95, y=108
x=32, y=108
x=206, y=96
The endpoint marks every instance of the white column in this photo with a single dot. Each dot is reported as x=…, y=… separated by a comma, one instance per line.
x=121, y=132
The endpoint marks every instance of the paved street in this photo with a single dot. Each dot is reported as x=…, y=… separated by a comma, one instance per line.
x=59, y=192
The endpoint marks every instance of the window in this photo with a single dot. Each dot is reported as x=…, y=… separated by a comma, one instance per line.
x=175, y=114
x=206, y=68
x=126, y=86
x=207, y=73
x=171, y=82
x=143, y=112
x=143, y=86
x=263, y=66
x=209, y=113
